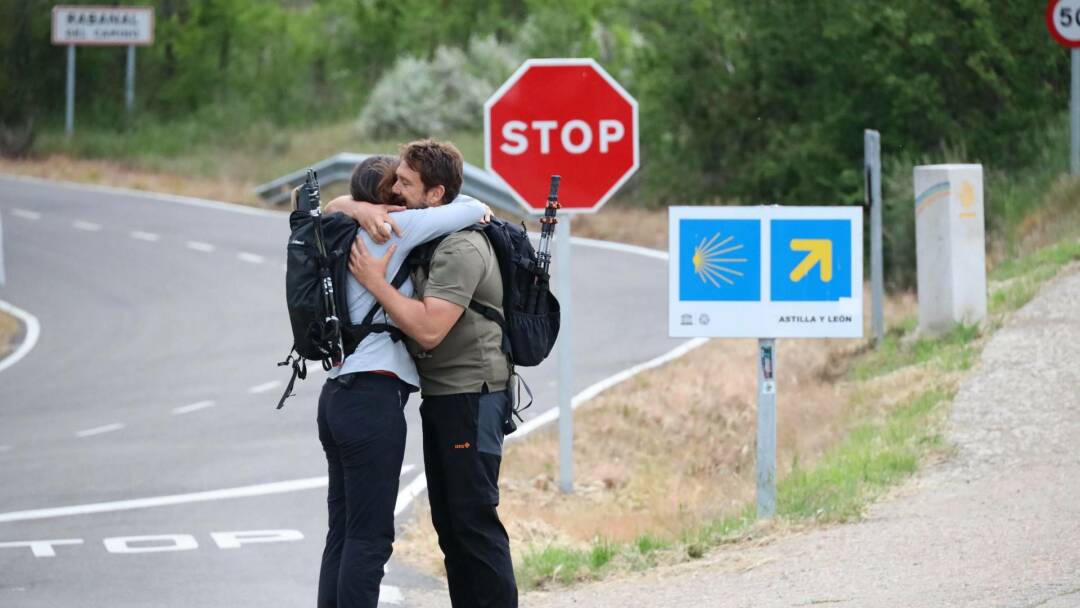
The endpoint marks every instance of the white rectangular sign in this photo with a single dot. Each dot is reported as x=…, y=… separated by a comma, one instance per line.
x=103, y=25
x=765, y=272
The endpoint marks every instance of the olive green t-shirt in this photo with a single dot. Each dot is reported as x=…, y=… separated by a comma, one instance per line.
x=464, y=268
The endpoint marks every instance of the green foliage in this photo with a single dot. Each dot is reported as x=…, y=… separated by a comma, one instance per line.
x=772, y=97
x=419, y=98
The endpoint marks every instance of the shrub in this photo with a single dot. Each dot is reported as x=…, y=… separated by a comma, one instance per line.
x=436, y=97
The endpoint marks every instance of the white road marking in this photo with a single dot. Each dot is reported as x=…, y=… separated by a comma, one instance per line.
x=264, y=387
x=100, y=430
x=252, y=258
x=87, y=226
x=26, y=215
x=277, y=487
x=187, y=409
x=33, y=330
x=143, y=194
x=149, y=237
x=389, y=594
x=42, y=548
x=200, y=246
x=6, y=448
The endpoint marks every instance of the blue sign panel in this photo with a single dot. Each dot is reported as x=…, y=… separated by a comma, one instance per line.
x=811, y=260
x=719, y=260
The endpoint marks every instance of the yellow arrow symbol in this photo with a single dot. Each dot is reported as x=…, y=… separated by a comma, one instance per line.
x=820, y=250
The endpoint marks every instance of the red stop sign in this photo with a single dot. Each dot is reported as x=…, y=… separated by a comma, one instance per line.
x=563, y=117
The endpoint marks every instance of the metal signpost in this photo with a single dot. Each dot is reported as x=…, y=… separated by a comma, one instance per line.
x=1063, y=21
x=766, y=273
x=872, y=147
x=128, y=26
x=564, y=117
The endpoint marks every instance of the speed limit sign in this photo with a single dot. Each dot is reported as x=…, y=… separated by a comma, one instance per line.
x=1063, y=19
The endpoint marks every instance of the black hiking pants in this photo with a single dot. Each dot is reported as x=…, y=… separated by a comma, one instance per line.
x=362, y=429
x=462, y=453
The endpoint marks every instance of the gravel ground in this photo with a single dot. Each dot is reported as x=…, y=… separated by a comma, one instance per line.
x=998, y=524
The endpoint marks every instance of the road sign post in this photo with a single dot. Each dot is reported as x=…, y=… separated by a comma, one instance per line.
x=766, y=273
x=565, y=117
x=1063, y=21
x=128, y=26
x=872, y=147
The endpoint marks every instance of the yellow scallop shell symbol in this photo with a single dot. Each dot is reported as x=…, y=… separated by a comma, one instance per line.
x=967, y=195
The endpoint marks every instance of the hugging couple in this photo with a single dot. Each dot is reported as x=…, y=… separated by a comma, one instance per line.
x=451, y=353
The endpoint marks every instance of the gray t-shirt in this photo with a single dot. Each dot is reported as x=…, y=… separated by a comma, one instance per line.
x=378, y=352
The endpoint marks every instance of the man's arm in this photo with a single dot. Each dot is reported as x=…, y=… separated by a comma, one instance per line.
x=427, y=321
x=374, y=219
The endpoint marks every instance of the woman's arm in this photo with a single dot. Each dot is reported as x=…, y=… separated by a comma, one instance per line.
x=422, y=225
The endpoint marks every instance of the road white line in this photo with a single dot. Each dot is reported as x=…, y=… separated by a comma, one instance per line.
x=87, y=226
x=418, y=485
x=187, y=409
x=277, y=487
x=149, y=237
x=620, y=247
x=252, y=258
x=33, y=330
x=6, y=448
x=26, y=215
x=264, y=387
x=389, y=594
x=100, y=430
x=144, y=194
x=200, y=246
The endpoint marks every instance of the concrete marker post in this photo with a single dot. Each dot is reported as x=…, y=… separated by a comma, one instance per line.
x=872, y=144
x=566, y=363
x=766, y=429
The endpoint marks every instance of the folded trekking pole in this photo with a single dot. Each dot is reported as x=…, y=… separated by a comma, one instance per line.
x=310, y=200
x=543, y=256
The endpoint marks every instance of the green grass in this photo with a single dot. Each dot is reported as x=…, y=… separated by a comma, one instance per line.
x=838, y=487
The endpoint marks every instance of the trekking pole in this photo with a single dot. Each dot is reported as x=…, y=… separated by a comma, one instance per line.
x=543, y=257
x=332, y=323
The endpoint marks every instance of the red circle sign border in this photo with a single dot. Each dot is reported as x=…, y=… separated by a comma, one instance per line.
x=510, y=82
x=1063, y=41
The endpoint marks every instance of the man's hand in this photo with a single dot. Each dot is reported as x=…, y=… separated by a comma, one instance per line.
x=368, y=269
x=374, y=219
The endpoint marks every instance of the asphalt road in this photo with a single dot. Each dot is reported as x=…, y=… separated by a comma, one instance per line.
x=154, y=376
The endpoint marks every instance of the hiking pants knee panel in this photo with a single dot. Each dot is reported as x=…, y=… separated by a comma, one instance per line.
x=362, y=429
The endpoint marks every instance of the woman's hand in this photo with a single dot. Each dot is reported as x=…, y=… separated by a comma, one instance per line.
x=374, y=219
x=488, y=214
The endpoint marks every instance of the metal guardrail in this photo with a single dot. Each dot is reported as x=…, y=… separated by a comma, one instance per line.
x=478, y=183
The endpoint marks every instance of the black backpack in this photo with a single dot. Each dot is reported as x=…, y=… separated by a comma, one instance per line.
x=316, y=269
x=531, y=323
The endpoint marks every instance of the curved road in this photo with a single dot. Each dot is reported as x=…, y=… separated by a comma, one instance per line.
x=154, y=376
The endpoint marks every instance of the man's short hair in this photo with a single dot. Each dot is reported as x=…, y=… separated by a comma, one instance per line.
x=439, y=163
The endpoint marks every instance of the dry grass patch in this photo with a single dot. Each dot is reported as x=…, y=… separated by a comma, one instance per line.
x=673, y=447
x=10, y=328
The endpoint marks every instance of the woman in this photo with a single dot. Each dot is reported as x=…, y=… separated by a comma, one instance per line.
x=361, y=416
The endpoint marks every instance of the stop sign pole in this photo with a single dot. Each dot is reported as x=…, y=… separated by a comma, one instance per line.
x=564, y=117
x=1063, y=21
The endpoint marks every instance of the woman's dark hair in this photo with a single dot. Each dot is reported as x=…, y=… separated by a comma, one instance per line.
x=373, y=180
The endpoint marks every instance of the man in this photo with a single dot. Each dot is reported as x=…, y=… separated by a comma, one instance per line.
x=463, y=380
